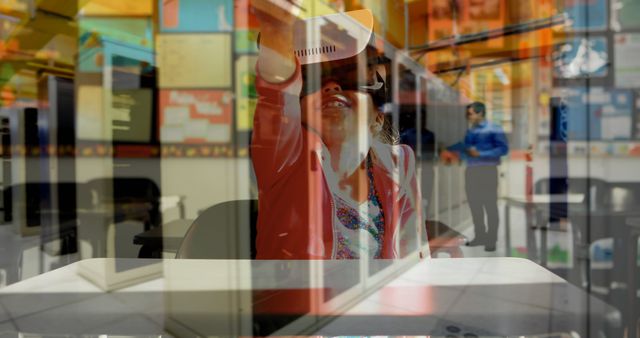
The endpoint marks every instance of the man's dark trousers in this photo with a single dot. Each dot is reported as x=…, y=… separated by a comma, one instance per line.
x=481, y=183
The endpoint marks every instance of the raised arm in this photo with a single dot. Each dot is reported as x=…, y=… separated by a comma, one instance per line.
x=276, y=62
x=277, y=136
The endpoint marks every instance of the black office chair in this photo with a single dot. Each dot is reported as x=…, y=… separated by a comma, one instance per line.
x=223, y=231
x=71, y=197
x=133, y=198
x=612, y=249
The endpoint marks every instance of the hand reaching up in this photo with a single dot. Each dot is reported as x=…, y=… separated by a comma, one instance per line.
x=276, y=61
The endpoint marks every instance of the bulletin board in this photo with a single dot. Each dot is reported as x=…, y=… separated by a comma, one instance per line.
x=195, y=116
x=627, y=69
x=194, y=60
x=599, y=114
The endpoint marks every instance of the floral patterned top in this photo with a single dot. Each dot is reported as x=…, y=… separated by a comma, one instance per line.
x=354, y=219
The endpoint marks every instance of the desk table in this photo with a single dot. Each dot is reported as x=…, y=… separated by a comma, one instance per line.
x=535, y=204
x=481, y=296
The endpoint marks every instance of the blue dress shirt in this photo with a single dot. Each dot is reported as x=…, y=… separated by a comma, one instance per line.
x=488, y=139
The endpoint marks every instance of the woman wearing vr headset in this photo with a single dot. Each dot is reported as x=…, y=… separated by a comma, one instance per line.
x=332, y=183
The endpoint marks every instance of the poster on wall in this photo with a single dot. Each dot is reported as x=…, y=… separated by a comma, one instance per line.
x=194, y=60
x=626, y=65
x=586, y=14
x=598, y=114
x=184, y=16
x=195, y=116
x=581, y=57
x=624, y=14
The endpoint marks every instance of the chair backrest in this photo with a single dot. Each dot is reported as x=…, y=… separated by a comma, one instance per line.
x=223, y=231
x=121, y=191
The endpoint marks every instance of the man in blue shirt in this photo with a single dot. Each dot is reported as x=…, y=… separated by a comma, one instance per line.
x=483, y=145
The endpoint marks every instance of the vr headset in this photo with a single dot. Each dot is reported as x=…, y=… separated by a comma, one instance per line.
x=340, y=46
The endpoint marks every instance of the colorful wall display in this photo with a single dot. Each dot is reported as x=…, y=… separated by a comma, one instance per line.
x=194, y=60
x=599, y=114
x=582, y=57
x=196, y=16
x=586, y=14
x=132, y=31
x=195, y=116
x=626, y=65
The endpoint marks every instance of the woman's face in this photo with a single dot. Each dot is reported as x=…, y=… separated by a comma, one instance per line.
x=340, y=115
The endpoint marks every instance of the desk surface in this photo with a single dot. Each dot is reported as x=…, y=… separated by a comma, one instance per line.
x=484, y=296
x=541, y=199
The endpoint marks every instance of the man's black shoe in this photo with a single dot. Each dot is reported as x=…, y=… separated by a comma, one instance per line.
x=475, y=242
x=490, y=248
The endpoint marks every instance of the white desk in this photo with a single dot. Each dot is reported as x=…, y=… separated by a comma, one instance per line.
x=484, y=296
x=545, y=199
x=531, y=205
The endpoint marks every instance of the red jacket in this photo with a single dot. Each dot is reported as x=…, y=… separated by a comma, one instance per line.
x=296, y=216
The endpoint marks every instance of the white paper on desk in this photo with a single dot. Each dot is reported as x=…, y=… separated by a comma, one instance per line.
x=219, y=133
x=172, y=134
x=175, y=115
x=196, y=128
